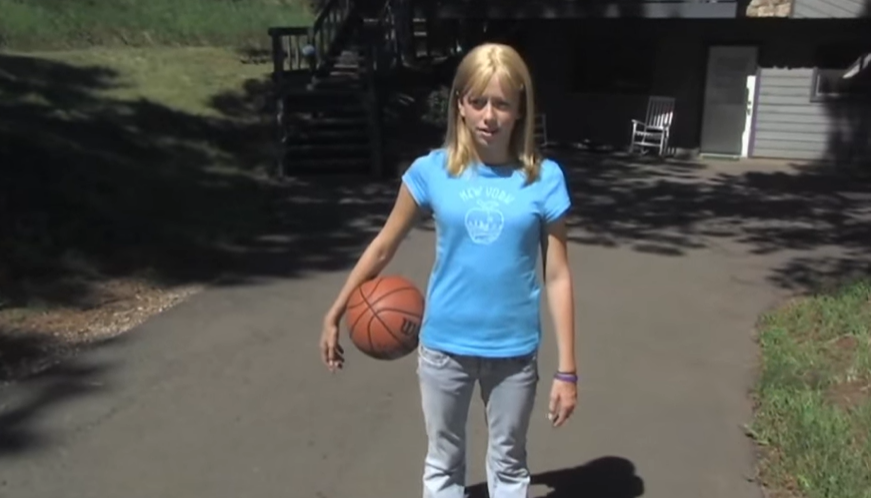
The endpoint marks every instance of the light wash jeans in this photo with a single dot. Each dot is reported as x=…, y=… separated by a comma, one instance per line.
x=508, y=388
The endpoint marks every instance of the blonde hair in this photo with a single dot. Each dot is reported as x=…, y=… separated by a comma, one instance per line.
x=474, y=73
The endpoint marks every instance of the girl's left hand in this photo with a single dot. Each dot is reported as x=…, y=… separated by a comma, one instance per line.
x=563, y=398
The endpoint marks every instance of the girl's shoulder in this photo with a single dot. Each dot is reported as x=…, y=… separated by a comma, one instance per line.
x=431, y=161
x=551, y=171
x=550, y=167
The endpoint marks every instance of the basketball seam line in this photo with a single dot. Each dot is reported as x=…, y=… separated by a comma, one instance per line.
x=398, y=310
x=352, y=306
x=375, y=315
x=369, y=330
x=351, y=328
x=392, y=292
x=374, y=288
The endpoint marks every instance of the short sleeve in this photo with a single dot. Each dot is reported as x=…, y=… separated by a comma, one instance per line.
x=556, y=201
x=417, y=179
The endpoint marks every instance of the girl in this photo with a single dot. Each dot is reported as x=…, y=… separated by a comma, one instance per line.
x=495, y=202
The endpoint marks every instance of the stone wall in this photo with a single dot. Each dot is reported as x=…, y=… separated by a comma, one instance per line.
x=769, y=8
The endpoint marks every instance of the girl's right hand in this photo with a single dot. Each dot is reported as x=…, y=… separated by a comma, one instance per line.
x=332, y=353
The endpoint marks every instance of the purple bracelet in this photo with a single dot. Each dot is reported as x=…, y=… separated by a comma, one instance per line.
x=565, y=377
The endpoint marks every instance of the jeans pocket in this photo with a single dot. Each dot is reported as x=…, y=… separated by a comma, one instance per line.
x=527, y=363
x=431, y=357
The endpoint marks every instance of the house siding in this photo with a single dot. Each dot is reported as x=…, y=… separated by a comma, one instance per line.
x=816, y=9
x=788, y=125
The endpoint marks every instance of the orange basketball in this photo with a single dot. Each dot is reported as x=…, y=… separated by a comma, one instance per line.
x=383, y=317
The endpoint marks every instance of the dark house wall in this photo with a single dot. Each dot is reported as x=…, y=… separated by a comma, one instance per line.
x=668, y=57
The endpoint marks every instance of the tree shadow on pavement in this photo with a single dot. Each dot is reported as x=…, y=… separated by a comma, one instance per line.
x=801, y=213
x=605, y=477
x=24, y=402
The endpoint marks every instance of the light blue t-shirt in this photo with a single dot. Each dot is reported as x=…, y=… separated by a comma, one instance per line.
x=483, y=297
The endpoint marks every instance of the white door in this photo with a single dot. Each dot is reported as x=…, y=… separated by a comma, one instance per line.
x=724, y=118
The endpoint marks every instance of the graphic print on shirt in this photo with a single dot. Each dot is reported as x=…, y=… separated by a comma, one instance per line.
x=484, y=220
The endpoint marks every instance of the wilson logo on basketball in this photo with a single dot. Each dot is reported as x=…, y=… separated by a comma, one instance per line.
x=409, y=327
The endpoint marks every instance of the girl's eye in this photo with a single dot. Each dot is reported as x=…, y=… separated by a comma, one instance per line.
x=480, y=103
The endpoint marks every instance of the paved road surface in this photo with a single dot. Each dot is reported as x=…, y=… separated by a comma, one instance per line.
x=224, y=396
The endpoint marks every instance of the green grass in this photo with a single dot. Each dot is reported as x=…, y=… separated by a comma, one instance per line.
x=813, y=416
x=181, y=78
x=57, y=24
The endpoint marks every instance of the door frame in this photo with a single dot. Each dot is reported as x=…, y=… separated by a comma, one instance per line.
x=752, y=85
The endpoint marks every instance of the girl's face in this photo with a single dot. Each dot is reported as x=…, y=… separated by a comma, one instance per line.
x=490, y=118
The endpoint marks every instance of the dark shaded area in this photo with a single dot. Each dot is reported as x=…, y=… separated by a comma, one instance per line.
x=92, y=188
x=605, y=477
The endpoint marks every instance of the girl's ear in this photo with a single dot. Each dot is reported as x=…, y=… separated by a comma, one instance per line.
x=460, y=108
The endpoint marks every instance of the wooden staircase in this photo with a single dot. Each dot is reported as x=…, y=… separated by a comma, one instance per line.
x=327, y=100
x=326, y=123
x=327, y=81
x=433, y=39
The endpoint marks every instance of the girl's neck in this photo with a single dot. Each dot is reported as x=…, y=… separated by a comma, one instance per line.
x=494, y=158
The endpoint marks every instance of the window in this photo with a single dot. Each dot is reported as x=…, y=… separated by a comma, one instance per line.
x=842, y=73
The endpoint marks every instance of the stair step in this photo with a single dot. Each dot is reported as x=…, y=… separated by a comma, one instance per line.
x=328, y=146
x=332, y=149
x=320, y=133
x=333, y=93
x=330, y=93
x=350, y=88
x=323, y=103
x=349, y=116
x=323, y=130
x=328, y=167
x=338, y=100
x=326, y=108
x=338, y=81
x=341, y=77
x=341, y=74
x=347, y=66
x=319, y=136
x=335, y=121
x=349, y=57
x=348, y=60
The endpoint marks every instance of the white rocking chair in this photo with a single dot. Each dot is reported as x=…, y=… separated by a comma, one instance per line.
x=654, y=131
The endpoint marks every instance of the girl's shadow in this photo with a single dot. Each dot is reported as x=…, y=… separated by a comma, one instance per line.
x=606, y=477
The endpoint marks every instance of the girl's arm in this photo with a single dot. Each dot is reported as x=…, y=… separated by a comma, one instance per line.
x=380, y=251
x=560, y=293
